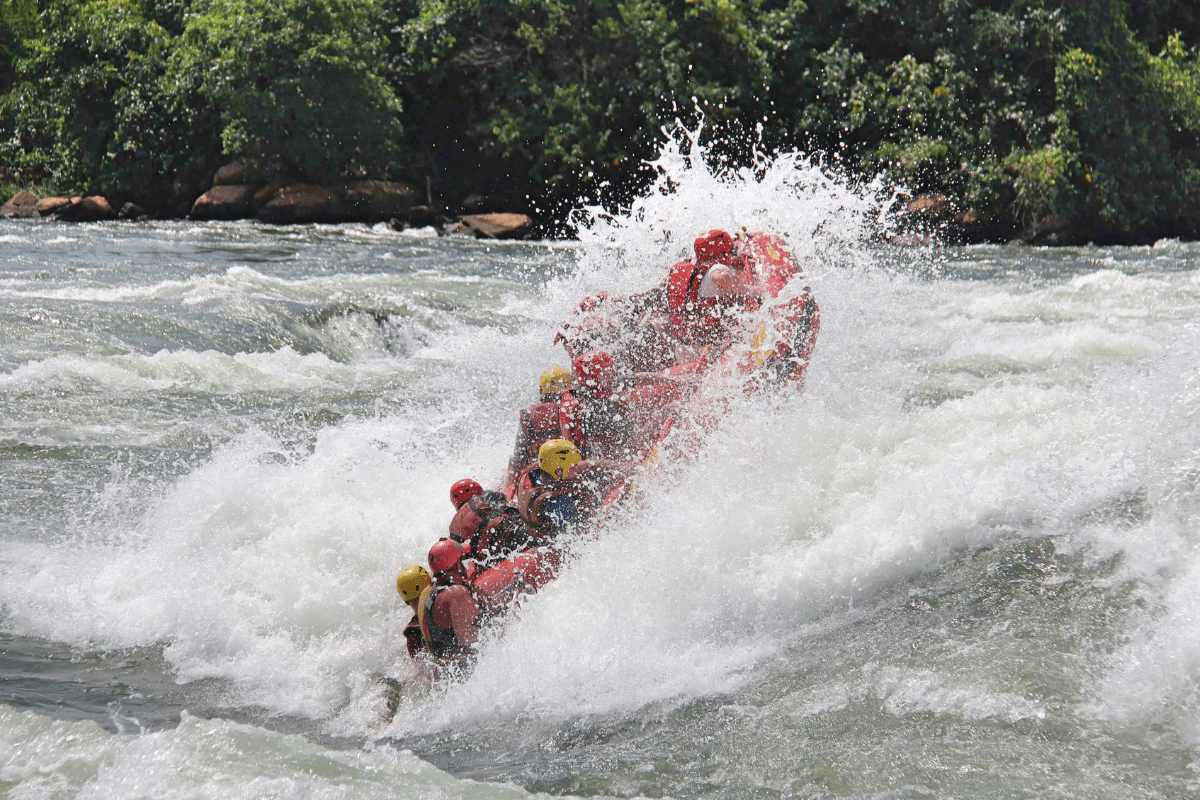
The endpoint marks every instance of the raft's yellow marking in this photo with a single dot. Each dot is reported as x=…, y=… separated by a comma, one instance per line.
x=758, y=355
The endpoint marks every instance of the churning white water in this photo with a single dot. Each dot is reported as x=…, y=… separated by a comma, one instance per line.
x=963, y=562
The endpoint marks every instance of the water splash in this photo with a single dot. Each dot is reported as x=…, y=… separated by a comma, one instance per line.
x=948, y=413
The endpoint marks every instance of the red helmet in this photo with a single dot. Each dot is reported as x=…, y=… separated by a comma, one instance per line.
x=595, y=371
x=464, y=490
x=713, y=245
x=445, y=555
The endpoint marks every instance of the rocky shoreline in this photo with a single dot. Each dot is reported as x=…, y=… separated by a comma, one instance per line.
x=241, y=191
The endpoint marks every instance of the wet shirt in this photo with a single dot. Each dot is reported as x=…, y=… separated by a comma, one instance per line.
x=561, y=511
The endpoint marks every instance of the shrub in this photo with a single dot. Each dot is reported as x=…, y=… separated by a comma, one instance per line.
x=293, y=83
x=568, y=96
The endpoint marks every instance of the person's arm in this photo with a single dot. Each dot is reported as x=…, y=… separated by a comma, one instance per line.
x=412, y=635
x=520, y=456
x=651, y=301
x=660, y=378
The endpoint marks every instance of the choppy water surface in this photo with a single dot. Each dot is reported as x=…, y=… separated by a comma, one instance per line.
x=962, y=564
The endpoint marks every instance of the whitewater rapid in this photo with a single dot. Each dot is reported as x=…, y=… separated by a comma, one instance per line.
x=963, y=562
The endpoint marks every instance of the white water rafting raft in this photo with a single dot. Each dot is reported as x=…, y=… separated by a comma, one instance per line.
x=652, y=374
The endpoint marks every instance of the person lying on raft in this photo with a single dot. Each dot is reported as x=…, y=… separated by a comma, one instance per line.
x=484, y=521
x=706, y=297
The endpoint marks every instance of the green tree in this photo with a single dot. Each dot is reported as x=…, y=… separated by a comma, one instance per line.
x=934, y=98
x=85, y=112
x=513, y=94
x=1035, y=113
x=18, y=26
x=1134, y=125
x=294, y=83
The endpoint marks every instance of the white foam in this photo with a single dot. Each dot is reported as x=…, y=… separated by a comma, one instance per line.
x=904, y=692
x=1169, y=245
x=208, y=371
x=426, y=232
x=41, y=757
x=1154, y=676
x=238, y=284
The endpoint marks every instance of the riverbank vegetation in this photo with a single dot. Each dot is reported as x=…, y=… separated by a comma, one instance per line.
x=1051, y=120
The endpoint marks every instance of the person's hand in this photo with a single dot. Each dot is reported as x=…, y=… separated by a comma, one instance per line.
x=589, y=304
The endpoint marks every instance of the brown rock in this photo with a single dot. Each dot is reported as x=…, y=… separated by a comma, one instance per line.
x=87, y=209
x=1049, y=230
x=22, y=204
x=52, y=205
x=132, y=211
x=267, y=193
x=379, y=201
x=928, y=205
x=97, y=209
x=240, y=171
x=229, y=201
x=968, y=217
x=193, y=179
x=303, y=202
x=498, y=226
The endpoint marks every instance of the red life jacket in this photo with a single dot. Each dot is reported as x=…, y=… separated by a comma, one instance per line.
x=531, y=499
x=539, y=424
x=493, y=528
x=693, y=319
x=442, y=642
x=700, y=320
x=524, y=573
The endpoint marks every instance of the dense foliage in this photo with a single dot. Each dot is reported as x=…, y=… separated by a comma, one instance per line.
x=1077, y=117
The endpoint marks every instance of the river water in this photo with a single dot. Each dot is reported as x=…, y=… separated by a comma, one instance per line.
x=963, y=563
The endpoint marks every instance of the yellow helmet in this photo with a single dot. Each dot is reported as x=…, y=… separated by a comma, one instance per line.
x=412, y=581
x=558, y=457
x=555, y=380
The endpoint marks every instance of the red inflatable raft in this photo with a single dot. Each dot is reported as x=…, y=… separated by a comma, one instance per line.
x=737, y=319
